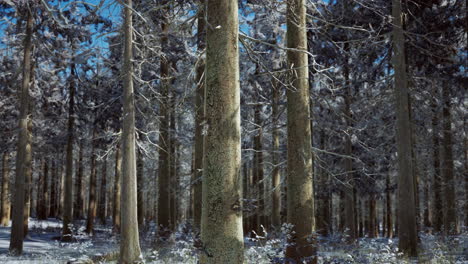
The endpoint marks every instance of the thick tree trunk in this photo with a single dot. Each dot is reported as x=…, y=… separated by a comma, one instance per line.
x=222, y=232
x=450, y=212
x=406, y=190
x=276, y=177
x=199, y=119
x=5, y=206
x=103, y=193
x=79, y=198
x=92, y=187
x=23, y=160
x=67, y=235
x=300, y=179
x=130, y=245
x=117, y=190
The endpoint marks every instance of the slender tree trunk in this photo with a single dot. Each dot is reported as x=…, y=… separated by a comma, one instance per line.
x=258, y=163
x=300, y=178
x=172, y=184
x=43, y=192
x=79, y=198
x=373, y=229
x=23, y=160
x=349, y=223
x=450, y=212
x=276, y=177
x=130, y=245
x=67, y=235
x=117, y=189
x=164, y=220
x=92, y=187
x=39, y=185
x=103, y=194
x=53, y=189
x=221, y=225
x=466, y=171
x=437, y=180
x=5, y=206
x=199, y=119
x=389, y=219
x=406, y=191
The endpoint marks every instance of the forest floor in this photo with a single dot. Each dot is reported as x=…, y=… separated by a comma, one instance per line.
x=42, y=246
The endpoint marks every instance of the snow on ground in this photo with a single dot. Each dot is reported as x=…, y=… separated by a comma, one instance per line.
x=42, y=246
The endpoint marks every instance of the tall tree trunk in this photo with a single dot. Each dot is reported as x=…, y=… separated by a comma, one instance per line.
x=103, y=193
x=164, y=220
x=450, y=212
x=437, y=179
x=117, y=189
x=130, y=245
x=300, y=179
x=199, y=118
x=5, y=206
x=42, y=192
x=68, y=198
x=92, y=187
x=79, y=198
x=23, y=159
x=173, y=158
x=258, y=170
x=221, y=228
x=276, y=177
x=53, y=190
x=349, y=222
x=406, y=191
x=373, y=229
x=39, y=185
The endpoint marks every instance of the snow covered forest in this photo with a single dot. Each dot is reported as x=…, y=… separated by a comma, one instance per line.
x=233, y=131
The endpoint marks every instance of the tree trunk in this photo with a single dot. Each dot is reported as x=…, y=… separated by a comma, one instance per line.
x=164, y=220
x=5, y=206
x=117, y=189
x=437, y=179
x=103, y=193
x=67, y=235
x=349, y=223
x=130, y=245
x=276, y=177
x=39, y=185
x=389, y=219
x=258, y=170
x=43, y=192
x=373, y=229
x=79, y=198
x=406, y=191
x=199, y=119
x=53, y=190
x=23, y=159
x=92, y=187
x=300, y=179
x=450, y=212
x=222, y=232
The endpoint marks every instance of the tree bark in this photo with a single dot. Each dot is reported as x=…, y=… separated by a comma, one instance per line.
x=450, y=209
x=222, y=233
x=67, y=235
x=92, y=187
x=406, y=191
x=300, y=179
x=140, y=189
x=199, y=119
x=437, y=178
x=79, y=198
x=5, y=206
x=258, y=183
x=103, y=193
x=388, y=200
x=23, y=159
x=117, y=190
x=276, y=177
x=53, y=189
x=130, y=245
